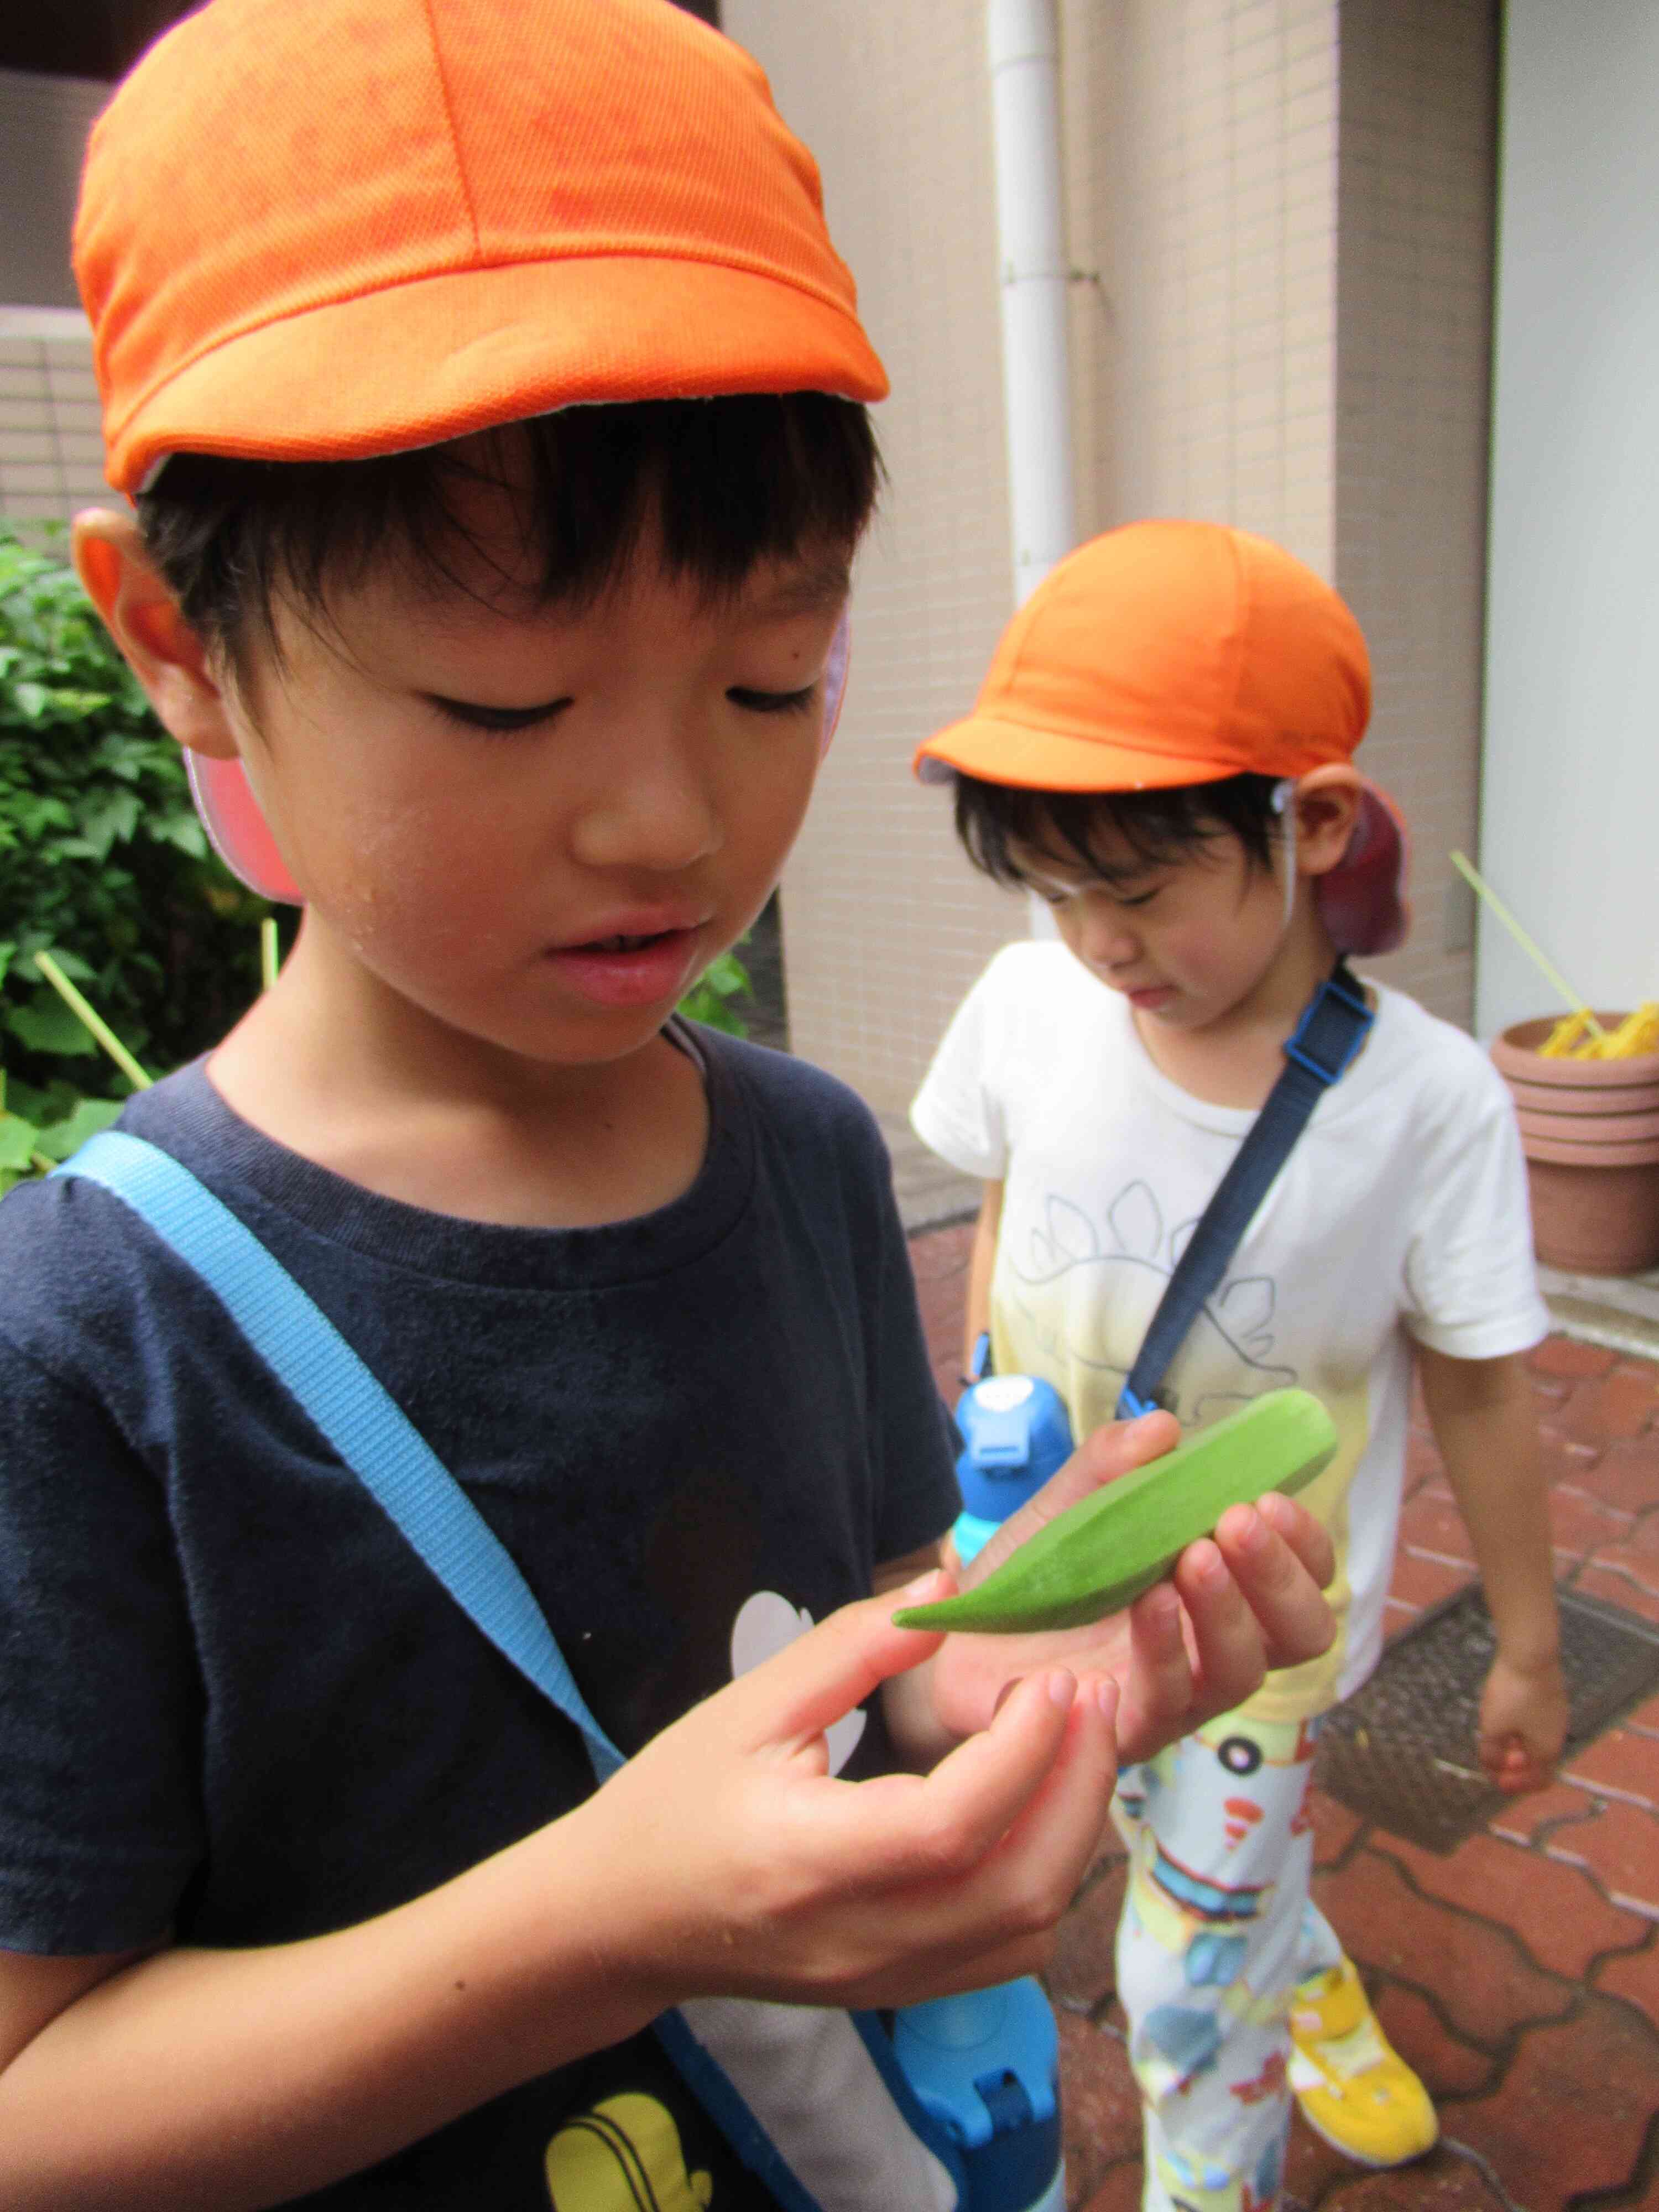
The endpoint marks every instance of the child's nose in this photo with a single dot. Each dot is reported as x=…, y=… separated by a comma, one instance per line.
x=656, y=811
x=1110, y=939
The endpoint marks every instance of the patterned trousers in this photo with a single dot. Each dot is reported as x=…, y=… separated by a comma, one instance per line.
x=1218, y=1928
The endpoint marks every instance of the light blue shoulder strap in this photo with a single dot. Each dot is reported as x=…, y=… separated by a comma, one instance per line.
x=372, y=1435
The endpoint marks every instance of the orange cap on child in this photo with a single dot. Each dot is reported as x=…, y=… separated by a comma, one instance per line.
x=1179, y=652
x=1163, y=653
x=327, y=232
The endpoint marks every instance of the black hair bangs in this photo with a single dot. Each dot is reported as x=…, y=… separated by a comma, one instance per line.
x=1003, y=826
x=726, y=483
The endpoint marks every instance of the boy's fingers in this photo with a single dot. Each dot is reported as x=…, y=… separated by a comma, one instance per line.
x=1036, y=1784
x=1118, y=1449
x=1157, y=1691
x=1268, y=1556
x=946, y=1821
x=812, y=1683
x=1310, y=1540
x=1516, y=1765
x=1225, y=1633
x=1028, y=1866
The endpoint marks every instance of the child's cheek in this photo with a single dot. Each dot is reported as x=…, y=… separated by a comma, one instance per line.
x=419, y=878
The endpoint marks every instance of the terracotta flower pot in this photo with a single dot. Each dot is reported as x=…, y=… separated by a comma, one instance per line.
x=1590, y=1130
x=1519, y=1060
x=1589, y=1098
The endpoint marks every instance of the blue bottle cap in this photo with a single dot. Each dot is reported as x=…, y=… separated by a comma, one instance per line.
x=1015, y=1434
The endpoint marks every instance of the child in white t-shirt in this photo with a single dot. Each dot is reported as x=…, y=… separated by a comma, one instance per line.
x=1161, y=751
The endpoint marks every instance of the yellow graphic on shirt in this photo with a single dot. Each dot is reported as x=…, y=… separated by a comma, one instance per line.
x=623, y=2156
x=1071, y=1300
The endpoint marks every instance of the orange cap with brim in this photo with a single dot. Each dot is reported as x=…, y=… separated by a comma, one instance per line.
x=1163, y=654
x=1176, y=653
x=329, y=233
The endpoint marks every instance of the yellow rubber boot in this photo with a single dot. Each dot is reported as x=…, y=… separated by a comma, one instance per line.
x=1354, y=2087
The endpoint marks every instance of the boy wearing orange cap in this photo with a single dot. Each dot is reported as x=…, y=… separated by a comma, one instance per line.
x=1161, y=751
x=490, y=399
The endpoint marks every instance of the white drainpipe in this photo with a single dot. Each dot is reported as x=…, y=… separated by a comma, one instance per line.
x=1025, y=56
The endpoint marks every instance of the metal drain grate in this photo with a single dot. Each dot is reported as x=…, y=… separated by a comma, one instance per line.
x=1401, y=1751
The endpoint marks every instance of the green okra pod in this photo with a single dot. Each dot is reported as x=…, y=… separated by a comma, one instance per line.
x=1101, y=1553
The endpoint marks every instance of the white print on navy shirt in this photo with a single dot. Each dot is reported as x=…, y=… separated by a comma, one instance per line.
x=767, y=1623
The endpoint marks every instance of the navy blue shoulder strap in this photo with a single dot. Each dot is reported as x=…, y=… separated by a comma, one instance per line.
x=1318, y=1052
x=371, y=1433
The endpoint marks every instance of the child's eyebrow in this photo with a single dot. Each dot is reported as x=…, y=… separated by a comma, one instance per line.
x=1114, y=877
x=819, y=588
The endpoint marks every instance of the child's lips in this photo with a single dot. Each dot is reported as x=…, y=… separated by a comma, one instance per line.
x=629, y=968
x=1150, y=996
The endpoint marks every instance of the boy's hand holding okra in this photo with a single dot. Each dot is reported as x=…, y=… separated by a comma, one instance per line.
x=1193, y=1645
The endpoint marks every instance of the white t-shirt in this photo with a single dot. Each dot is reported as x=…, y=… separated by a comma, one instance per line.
x=1401, y=1215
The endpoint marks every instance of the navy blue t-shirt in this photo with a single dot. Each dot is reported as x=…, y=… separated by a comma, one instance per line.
x=234, y=1704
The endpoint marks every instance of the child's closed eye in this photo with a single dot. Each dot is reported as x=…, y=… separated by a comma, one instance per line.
x=772, y=702
x=476, y=716
x=1059, y=895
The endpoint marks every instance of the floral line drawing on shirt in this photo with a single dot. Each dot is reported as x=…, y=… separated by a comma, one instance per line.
x=1112, y=1287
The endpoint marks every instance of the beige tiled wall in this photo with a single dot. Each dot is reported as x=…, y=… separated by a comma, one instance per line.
x=1414, y=290
x=884, y=925
x=1201, y=142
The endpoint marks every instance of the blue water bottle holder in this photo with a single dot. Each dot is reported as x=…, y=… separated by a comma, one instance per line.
x=986, y=2065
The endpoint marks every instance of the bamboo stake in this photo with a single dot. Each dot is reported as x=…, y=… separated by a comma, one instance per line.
x=100, y=1028
x=1550, y=974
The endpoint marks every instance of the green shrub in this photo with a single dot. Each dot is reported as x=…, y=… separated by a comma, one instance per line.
x=710, y=998
x=102, y=862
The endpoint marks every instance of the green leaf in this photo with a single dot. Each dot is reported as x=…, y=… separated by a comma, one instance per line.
x=64, y=1138
x=18, y=1142
x=43, y=1108
x=51, y=1027
x=101, y=856
x=32, y=700
x=727, y=976
x=73, y=966
x=113, y=815
x=183, y=830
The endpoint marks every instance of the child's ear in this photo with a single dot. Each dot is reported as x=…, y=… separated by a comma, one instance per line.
x=160, y=647
x=1326, y=803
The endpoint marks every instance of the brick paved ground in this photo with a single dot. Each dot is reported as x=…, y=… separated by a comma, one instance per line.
x=1520, y=1974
